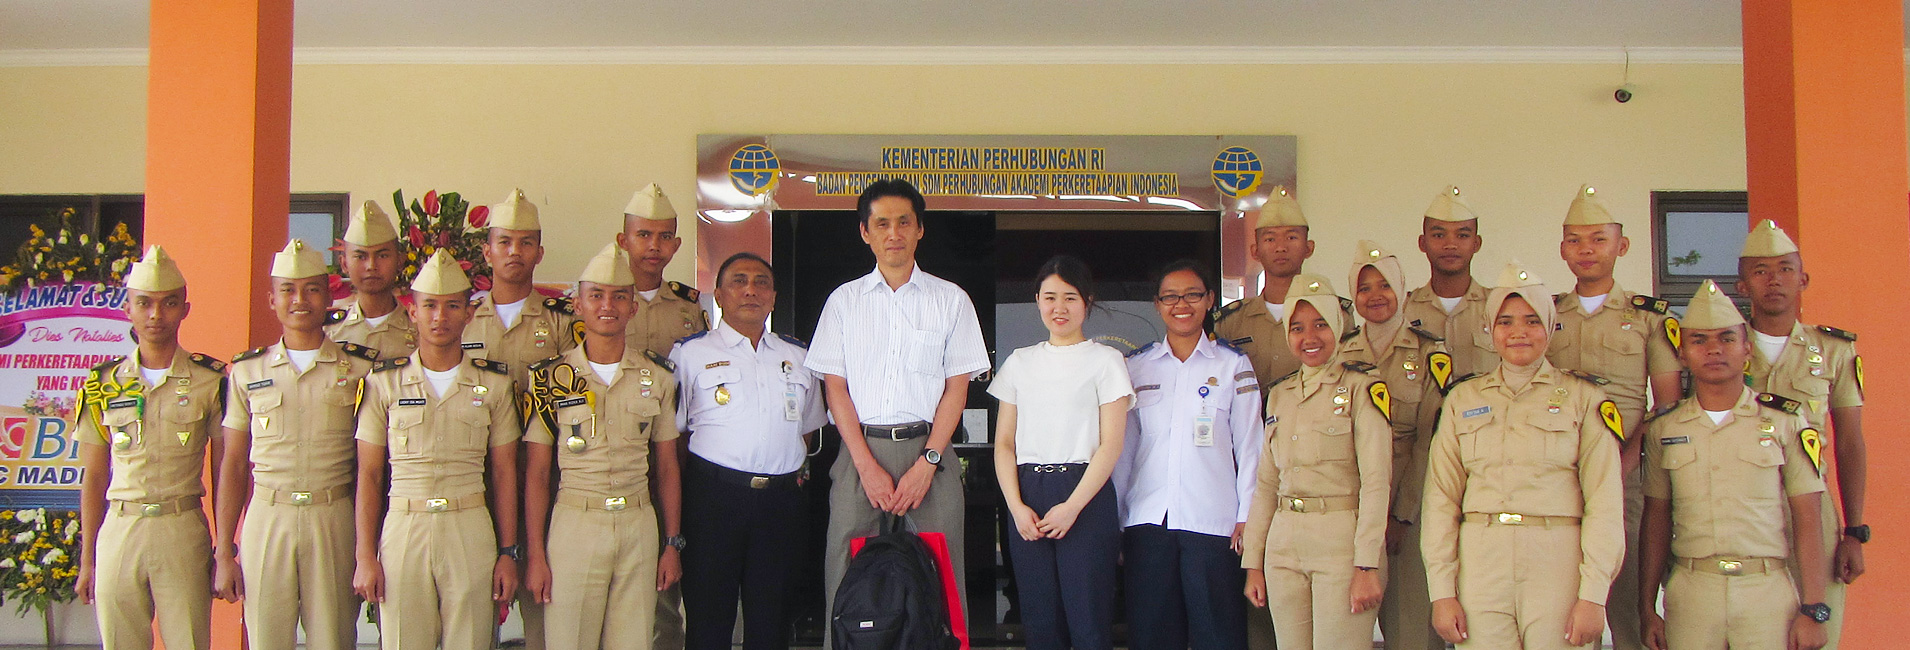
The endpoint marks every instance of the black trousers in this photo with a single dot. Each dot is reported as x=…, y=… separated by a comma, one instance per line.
x=741, y=541
x=1067, y=585
x=1183, y=590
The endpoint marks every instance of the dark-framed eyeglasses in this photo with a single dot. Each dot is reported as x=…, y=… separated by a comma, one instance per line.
x=1189, y=297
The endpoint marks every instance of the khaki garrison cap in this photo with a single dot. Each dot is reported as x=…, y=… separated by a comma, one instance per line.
x=1767, y=240
x=1281, y=210
x=441, y=276
x=650, y=203
x=298, y=262
x=1448, y=206
x=515, y=213
x=1517, y=279
x=369, y=226
x=155, y=272
x=1317, y=291
x=1711, y=310
x=1372, y=254
x=610, y=268
x=1587, y=210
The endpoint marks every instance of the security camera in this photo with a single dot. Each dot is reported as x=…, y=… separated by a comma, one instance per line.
x=1623, y=94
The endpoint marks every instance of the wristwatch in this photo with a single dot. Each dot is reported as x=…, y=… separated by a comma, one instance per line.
x=1859, y=533
x=676, y=541
x=513, y=551
x=934, y=457
x=1817, y=611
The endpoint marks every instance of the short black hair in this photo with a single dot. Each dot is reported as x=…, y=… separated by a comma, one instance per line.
x=744, y=256
x=1072, y=271
x=888, y=187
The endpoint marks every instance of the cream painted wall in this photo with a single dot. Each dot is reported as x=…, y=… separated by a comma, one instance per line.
x=1375, y=141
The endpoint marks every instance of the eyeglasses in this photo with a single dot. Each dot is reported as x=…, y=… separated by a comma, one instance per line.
x=1189, y=297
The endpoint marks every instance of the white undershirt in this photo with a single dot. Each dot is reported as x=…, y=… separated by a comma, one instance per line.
x=605, y=371
x=1769, y=346
x=302, y=359
x=380, y=320
x=154, y=376
x=649, y=295
x=508, y=312
x=440, y=381
x=1717, y=417
x=1279, y=310
x=1591, y=304
x=1450, y=303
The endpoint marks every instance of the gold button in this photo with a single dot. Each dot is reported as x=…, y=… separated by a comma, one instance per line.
x=614, y=503
x=436, y=505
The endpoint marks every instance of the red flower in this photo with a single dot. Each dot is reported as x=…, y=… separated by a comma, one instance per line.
x=481, y=283
x=479, y=216
x=464, y=266
x=444, y=239
x=340, y=288
x=431, y=203
x=416, y=236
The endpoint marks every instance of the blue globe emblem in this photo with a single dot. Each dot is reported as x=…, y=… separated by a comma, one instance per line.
x=754, y=169
x=1237, y=172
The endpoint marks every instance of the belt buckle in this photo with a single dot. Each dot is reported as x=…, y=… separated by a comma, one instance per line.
x=1511, y=519
x=437, y=505
x=614, y=504
x=758, y=482
x=1731, y=567
x=149, y=509
x=895, y=434
x=301, y=498
x=1296, y=505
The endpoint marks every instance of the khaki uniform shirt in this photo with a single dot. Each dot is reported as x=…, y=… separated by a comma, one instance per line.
x=1249, y=326
x=437, y=446
x=1819, y=367
x=544, y=329
x=395, y=337
x=660, y=323
x=157, y=434
x=1466, y=330
x=602, y=431
x=1412, y=369
x=301, y=423
x=1500, y=452
x=1729, y=483
x=1628, y=340
x=1326, y=436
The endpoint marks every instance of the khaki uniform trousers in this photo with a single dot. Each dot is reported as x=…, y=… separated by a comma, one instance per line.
x=1833, y=528
x=1621, y=603
x=1517, y=584
x=438, y=580
x=1706, y=610
x=1309, y=568
x=603, y=567
x=1405, y=616
x=298, y=562
x=154, y=568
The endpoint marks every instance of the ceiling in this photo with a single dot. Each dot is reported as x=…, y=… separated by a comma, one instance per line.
x=96, y=24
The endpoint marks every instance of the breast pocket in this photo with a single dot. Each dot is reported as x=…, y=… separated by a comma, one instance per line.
x=341, y=407
x=639, y=418
x=1553, y=439
x=123, y=430
x=707, y=400
x=1470, y=431
x=1331, y=440
x=571, y=421
x=925, y=352
x=404, y=431
x=1811, y=388
x=474, y=422
x=268, y=415
x=1677, y=457
x=1627, y=343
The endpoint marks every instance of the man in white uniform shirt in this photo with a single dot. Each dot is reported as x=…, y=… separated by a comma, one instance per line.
x=749, y=406
x=896, y=349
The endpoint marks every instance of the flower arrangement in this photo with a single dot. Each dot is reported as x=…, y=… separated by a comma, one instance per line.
x=38, y=565
x=39, y=403
x=442, y=221
x=68, y=254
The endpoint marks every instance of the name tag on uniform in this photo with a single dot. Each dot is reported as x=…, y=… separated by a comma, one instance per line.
x=574, y=401
x=1204, y=431
x=262, y=383
x=792, y=410
x=123, y=403
x=474, y=345
x=411, y=401
x=1147, y=387
x=716, y=364
x=1476, y=412
x=1674, y=440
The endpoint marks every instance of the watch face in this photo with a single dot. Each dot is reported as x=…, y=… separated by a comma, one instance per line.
x=933, y=456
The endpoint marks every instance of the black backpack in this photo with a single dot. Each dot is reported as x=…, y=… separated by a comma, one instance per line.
x=891, y=596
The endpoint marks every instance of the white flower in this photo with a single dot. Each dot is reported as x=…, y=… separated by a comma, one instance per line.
x=23, y=538
x=26, y=515
x=30, y=567
x=62, y=238
x=52, y=556
x=68, y=275
x=71, y=528
x=6, y=563
x=84, y=240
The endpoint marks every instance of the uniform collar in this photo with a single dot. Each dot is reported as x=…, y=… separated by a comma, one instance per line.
x=1617, y=298
x=278, y=355
x=1330, y=374
x=734, y=339
x=1746, y=407
x=1475, y=292
x=874, y=280
x=1256, y=307
x=1548, y=374
x=575, y=357
x=178, y=367
x=533, y=306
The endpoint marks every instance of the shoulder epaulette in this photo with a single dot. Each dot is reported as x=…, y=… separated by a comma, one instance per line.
x=1589, y=377
x=1229, y=309
x=1463, y=379
x=1425, y=334
x=1346, y=305
x=1227, y=343
x=391, y=364
x=1651, y=304
x=1780, y=403
x=1848, y=336
x=1663, y=411
x=207, y=362
x=498, y=367
x=1560, y=297
x=1143, y=349
x=361, y=351
x=659, y=360
x=108, y=364
x=334, y=317
x=792, y=340
x=558, y=304
x=684, y=291
x=248, y=354
x=696, y=336
x=1359, y=366
x=546, y=363
x=1289, y=375
x=1348, y=336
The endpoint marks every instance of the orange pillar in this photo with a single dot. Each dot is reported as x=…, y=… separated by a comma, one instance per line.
x=1826, y=153
x=218, y=171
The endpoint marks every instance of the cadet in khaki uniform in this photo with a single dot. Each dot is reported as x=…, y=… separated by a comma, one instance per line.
x=1315, y=537
x=144, y=424
x=595, y=561
x=1452, y=305
x=666, y=312
x=1626, y=339
x=372, y=317
x=1818, y=367
x=436, y=556
x=513, y=323
x=1417, y=369
x=289, y=420
x=1719, y=469
x=1523, y=506
x=1256, y=324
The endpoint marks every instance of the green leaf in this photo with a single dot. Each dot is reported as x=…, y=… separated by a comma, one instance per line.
x=398, y=201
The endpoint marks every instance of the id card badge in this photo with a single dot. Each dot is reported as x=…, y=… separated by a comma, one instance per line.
x=791, y=411
x=1204, y=431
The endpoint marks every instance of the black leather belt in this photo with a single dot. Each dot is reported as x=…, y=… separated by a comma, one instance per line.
x=1056, y=468
x=699, y=465
x=908, y=431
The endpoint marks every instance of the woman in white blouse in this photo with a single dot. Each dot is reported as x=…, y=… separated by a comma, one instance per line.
x=1053, y=459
